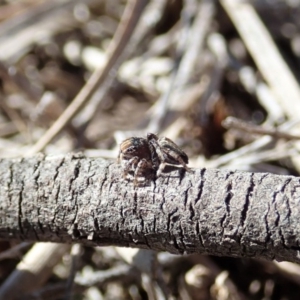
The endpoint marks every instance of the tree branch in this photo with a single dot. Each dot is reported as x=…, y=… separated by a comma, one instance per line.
x=76, y=199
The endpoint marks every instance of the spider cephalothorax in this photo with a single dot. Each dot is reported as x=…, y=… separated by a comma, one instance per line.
x=141, y=157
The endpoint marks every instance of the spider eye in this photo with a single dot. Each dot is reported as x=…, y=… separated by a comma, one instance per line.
x=130, y=149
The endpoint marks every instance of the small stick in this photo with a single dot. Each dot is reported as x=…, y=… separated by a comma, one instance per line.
x=188, y=49
x=235, y=123
x=127, y=25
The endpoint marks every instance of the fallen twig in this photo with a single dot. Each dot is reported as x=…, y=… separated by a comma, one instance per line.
x=74, y=199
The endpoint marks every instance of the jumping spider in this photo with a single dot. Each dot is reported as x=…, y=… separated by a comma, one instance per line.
x=141, y=157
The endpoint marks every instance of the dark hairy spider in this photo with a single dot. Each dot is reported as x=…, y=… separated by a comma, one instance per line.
x=143, y=158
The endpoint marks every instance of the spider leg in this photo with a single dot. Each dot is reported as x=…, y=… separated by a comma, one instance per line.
x=161, y=168
x=179, y=159
x=156, y=148
x=130, y=165
x=164, y=164
x=166, y=155
x=142, y=171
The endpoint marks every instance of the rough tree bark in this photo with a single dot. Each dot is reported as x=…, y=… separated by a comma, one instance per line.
x=76, y=199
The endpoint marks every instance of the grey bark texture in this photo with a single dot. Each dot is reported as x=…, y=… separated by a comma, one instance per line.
x=76, y=199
